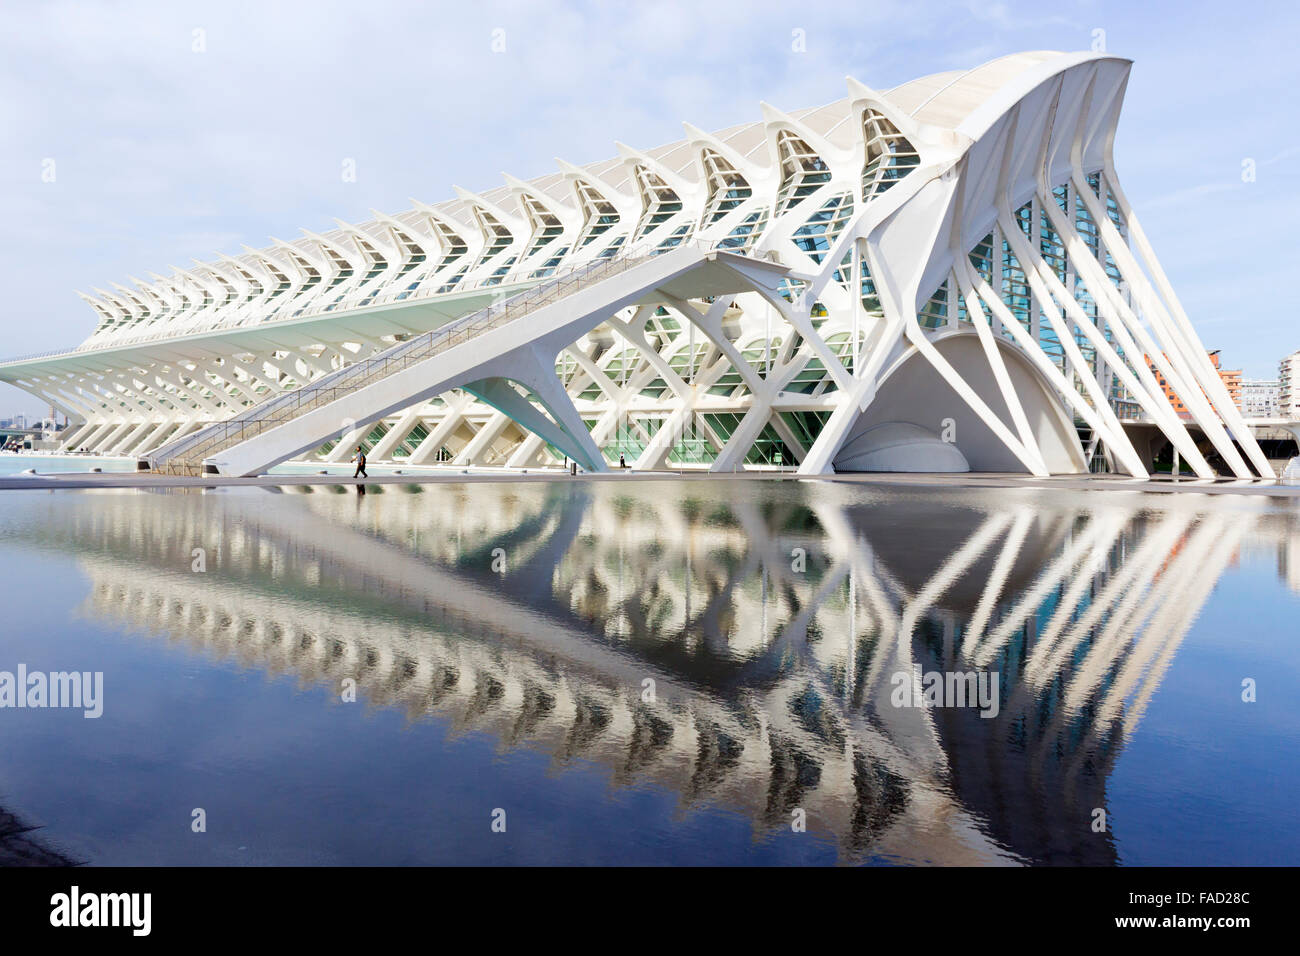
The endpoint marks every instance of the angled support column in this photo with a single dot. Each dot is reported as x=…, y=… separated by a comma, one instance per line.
x=1049, y=370
x=1204, y=371
x=1113, y=433
x=348, y=442
x=548, y=388
x=1178, y=360
x=92, y=438
x=993, y=355
x=393, y=437
x=732, y=456
x=104, y=445
x=150, y=441
x=1140, y=381
x=453, y=415
x=68, y=441
x=483, y=440
x=191, y=393
x=225, y=375
x=526, y=451
x=124, y=446
x=852, y=401
x=567, y=432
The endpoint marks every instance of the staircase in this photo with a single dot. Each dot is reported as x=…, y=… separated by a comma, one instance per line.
x=186, y=455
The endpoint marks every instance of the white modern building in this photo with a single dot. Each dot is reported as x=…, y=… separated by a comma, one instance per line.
x=1288, y=394
x=1261, y=398
x=943, y=276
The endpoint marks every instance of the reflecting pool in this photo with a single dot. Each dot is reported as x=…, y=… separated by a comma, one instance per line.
x=661, y=672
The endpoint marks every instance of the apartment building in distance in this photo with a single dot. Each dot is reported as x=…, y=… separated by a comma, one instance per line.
x=1288, y=381
x=1260, y=398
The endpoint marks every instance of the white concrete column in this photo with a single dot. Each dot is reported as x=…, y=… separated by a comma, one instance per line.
x=393, y=437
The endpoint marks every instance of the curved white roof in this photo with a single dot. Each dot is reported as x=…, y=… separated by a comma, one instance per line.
x=940, y=99
x=963, y=99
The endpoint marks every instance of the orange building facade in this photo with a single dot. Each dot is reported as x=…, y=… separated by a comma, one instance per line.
x=1231, y=380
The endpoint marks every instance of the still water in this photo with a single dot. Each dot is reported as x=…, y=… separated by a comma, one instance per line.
x=654, y=672
x=14, y=464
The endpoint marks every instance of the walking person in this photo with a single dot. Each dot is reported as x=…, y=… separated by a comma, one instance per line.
x=360, y=459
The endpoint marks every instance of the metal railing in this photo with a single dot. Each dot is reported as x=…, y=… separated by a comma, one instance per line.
x=185, y=456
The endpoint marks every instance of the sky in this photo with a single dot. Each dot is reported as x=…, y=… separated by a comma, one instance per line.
x=140, y=136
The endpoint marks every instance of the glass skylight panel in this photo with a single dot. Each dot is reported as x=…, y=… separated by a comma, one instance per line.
x=612, y=248
x=935, y=311
x=889, y=156
x=803, y=172
x=377, y=262
x=546, y=225
x=144, y=309
x=496, y=237
x=414, y=256
x=255, y=287
x=453, y=247
x=454, y=281
x=549, y=266
x=870, y=297
x=658, y=200
x=343, y=268
x=313, y=279
x=728, y=189
x=677, y=238
x=747, y=232
x=818, y=234
x=599, y=214
x=227, y=290
x=207, y=296
x=499, y=274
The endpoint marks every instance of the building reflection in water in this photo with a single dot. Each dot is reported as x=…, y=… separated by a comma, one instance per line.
x=772, y=620
x=22, y=844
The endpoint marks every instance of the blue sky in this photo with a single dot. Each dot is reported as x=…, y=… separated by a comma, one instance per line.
x=163, y=154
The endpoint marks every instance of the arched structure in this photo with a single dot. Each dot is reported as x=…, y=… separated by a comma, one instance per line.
x=912, y=391
x=966, y=229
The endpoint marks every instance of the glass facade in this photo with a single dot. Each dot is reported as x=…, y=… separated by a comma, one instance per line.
x=1005, y=274
x=889, y=155
x=816, y=236
x=803, y=172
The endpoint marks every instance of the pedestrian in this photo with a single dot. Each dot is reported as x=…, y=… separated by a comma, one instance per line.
x=621, y=462
x=360, y=459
